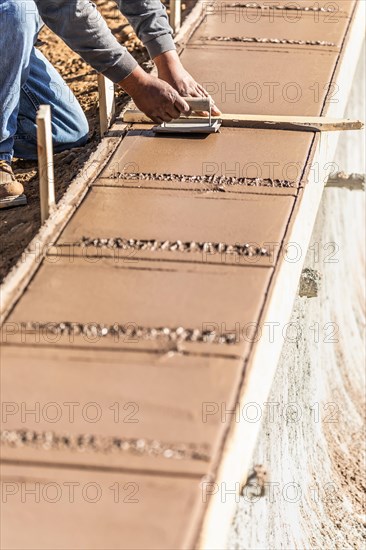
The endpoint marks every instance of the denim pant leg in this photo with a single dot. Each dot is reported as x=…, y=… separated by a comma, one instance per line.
x=19, y=26
x=45, y=86
x=28, y=80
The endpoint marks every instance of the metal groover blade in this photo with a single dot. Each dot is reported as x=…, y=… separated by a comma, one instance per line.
x=187, y=126
x=199, y=125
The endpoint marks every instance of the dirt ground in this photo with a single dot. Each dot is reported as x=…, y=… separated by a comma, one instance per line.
x=19, y=225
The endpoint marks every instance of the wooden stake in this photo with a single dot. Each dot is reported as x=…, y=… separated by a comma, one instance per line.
x=106, y=103
x=299, y=123
x=175, y=15
x=45, y=161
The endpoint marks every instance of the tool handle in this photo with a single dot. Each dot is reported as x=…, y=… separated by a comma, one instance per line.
x=198, y=103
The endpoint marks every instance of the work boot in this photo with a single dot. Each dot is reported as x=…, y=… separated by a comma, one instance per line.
x=11, y=190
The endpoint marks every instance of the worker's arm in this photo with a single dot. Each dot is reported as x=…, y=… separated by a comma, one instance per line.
x=84, y=30
x=150, y=22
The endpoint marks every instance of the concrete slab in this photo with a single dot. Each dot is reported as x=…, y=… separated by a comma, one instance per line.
x=262, y=79
x=233, y=153
x=175, y=401
x=321, y=10
x=225, y=20
x=165, y=215
x=78, y=509
x=145, y=294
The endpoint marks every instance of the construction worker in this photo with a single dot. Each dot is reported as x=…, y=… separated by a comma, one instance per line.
x=27, y=78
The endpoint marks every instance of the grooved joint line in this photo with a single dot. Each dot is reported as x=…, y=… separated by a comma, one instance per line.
x=246, y=249
x=283, y=7
x=103, y=444
x=132, y=331
x=287, y=41
x=217, y=182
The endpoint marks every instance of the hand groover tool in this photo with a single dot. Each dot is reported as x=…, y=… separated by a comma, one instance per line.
x=191, y=125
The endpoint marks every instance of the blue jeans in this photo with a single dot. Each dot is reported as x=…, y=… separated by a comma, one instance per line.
x=28, y=80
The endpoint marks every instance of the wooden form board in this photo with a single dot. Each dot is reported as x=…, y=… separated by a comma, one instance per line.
x=169, y=292
x=298, y=124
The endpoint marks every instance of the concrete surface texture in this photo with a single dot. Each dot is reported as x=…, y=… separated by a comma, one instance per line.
x=172, y=357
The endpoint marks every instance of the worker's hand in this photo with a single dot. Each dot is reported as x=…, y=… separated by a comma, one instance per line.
x=171, y=70
x=154, y=97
